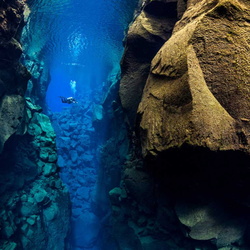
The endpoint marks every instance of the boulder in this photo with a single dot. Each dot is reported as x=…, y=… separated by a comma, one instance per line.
x=8, y=245
x=73, y=155
x=31, y=106
x=34, y=129
x=28, y=208
x=50, y=212
x=212, y=221
x=83, y=193
x=44, y=122
x=40, y=195
x=49, y=169
x=32, y=220
x=61, y=162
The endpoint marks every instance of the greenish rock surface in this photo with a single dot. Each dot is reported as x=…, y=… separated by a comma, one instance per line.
x=34, y=207
x=39, y=208
x=40, y=76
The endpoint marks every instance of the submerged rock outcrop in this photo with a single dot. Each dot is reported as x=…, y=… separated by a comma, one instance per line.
x=34, y=205
x=188, y=188
x=149, y=31
x=13, y=75
x=39, y=82
x=198, y=84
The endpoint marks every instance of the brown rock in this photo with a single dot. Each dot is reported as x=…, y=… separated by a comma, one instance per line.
x=13, y=75
x=198, y=89
x=11, y=14
x=145, y=37
x=194, y=120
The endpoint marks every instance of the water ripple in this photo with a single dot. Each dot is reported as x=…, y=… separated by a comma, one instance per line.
x=77, y=32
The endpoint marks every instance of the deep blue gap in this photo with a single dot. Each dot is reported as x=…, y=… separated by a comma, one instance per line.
x=79, y=43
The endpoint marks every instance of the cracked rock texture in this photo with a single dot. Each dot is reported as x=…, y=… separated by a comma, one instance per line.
x=188, y=189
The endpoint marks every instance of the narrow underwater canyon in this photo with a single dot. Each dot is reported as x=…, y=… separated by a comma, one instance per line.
x=153, y=154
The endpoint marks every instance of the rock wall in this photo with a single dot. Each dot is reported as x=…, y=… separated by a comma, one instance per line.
x=205, y=70
x=13, y=75
x=149, y=31
x=34, y=205
x=39, y=82
x=188, y=188
x=33, y=60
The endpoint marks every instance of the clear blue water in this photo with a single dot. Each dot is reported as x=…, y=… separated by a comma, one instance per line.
x=80, y=40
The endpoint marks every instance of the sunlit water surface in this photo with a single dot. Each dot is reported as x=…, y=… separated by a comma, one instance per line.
x=81, y=40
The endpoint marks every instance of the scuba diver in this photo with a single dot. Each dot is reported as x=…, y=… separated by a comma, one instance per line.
x=68, y=100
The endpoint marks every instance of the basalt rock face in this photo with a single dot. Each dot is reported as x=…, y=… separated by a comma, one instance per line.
x=34, y=208
x=198, y=86
x=149, y=31
x=188, y=190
